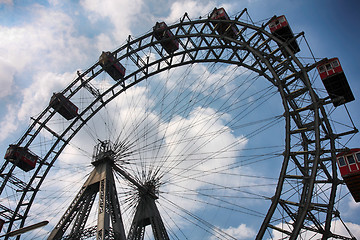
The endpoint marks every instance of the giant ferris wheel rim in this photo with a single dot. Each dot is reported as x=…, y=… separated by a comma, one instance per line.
x=132, y=49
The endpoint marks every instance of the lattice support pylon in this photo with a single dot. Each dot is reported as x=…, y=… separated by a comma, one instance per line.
x=101, y=180
x=146, y=214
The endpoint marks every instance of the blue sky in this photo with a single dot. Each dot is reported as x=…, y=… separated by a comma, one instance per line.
x=43, y=43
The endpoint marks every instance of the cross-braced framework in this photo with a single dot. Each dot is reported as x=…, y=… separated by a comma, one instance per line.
x=306, y=189
x=100, y=181
x=146, y=214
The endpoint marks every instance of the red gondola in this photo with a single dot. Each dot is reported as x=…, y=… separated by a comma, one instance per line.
x=115, y=69
x=63, y=106
x=25, y=159
x=280, y=28
x=349, y=165
x=335, y=82
x=223, y=28
x=163, y=34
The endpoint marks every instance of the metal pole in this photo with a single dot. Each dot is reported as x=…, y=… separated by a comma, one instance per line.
x=25, y=229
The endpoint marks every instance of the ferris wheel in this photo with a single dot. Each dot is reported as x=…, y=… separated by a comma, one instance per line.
x=211, y=128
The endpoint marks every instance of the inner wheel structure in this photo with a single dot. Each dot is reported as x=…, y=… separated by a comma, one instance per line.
x=224, y=138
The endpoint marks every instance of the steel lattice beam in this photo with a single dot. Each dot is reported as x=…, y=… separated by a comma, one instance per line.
x=146, y=214
x=100, y=181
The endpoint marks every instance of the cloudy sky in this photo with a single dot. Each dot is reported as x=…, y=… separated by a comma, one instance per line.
x=43, y=43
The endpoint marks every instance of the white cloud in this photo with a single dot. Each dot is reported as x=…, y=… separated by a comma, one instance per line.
x=353, y=227
x=56, y=2
x=104, y=42
x=120, y=13
x=203, y=133
x=8, y=123
x=7, y=72
x=32, y=54
x=240, y=232
x=352, y=208
x=37, y=96
x=194, y=9
x=47, y=41
x=10, y=2
x=188, y=140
